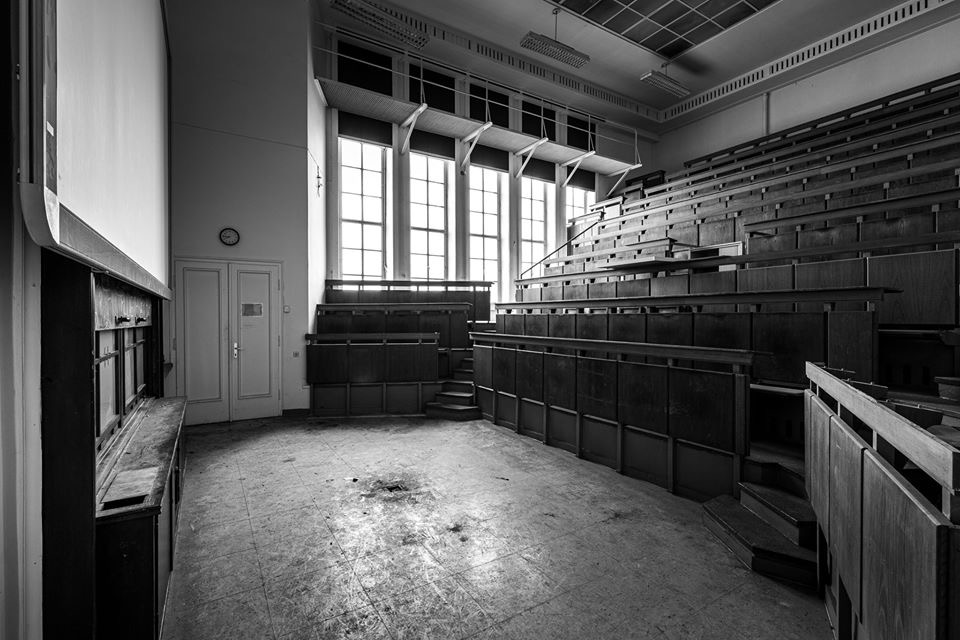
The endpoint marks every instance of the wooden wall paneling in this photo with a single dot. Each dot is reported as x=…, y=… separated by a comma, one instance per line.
x=722, y=330
x=702, y=407
x=68, y=432
x=505, y=369
x=832, y=273
x=929, y=284
x=459, y=329
x=642, y=396
x=783, y=241
x=635, y=288
x=836, y=235
x=597, y=387
x=366, y=399
x=852, y=343
x=599, y=441
x=552, y=291
x=715, y=282
x=532, y=418
x=368, y=322
x=685, y=232
x=913, y=362
x=574, y=291
x=592, y=326
x=403, y=399
x=366, y=362
x=701, y=473
x=333, y=322
x=645, y=456
x=531, y=294
x=326, y=363
x=429, y=361
x=717, y=232
x=483, y=366
x=562, y=325
x=501, y=322
x=844, y=490
x=436, y=322
x=627, y=327
x=530, y=374
x=340, y=296
x=535, y=324
x=670, y=328
x=817, y=457
x=560, y=380
x=485, y=402
x=505, y=412
x=903, y=595
x=766, y=279
x=792, y=339
x=562, y=429
x=900, y=226
x=675, y=285
x=602, y=290
x=481, y=305
x=403, y=362
x=402, y=322
x=513, y=323
x=329, y=400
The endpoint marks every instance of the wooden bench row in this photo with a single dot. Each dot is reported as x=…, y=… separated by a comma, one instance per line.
x=849, y=122
x=451, y=320
x=684, y=429
x=476, y=293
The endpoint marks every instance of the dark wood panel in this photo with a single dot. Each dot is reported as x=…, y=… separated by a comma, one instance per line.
x=929, y=284
x=669, y=285
x=530, y=375
x=574, y=291
x=766, y=279
x=505, y=369
x=715, y=282
x=403, y=323
x=844, y=492
x=506, y=410
x=592, y=326
x=403, y=399
x=852, y=343
x=459, y=328
x=633, y=288
x=562, y=429
x=790, y=339
x=817, y=462
x=429, y=362
x=368, y=322
x=483, y=366
x=403, y=362
x=598, y=441
x=560, y=380
x=602, y=290
x=642, y=397
x=829, y=274
x=645, y=456
x=329, y=400
x=627, y=327
x=722, y=330
x=562, y=325
x=597, y=387
x=367, y=362
x=700, y=473
x=436, y=322
x=336, y=322
x=904, y=556
x=702, y=407
x=366, y=399
x=670, y=328
x=513, y=324
x=532, y=418
x=535, y=324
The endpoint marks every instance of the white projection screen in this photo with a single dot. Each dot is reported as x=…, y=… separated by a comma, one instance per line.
x=112, y=124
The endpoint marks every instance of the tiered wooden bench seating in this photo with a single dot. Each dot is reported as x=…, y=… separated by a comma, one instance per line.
x=679, y=427
x=886, y=493
x=474, y=292
x=372, y=373
x=448, y=319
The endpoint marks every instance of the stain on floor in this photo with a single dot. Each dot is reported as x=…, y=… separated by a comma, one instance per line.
x=403, y=528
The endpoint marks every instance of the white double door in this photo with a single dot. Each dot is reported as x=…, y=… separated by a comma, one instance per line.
x=228, y=340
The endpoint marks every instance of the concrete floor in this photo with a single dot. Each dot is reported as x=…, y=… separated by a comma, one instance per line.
x=407, y=528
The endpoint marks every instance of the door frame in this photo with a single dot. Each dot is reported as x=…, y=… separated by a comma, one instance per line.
x=179, y=321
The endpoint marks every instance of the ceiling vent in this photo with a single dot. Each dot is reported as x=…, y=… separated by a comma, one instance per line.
x=553, y=48
x=380, y=20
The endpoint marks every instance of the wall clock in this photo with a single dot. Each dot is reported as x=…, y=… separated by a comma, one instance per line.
x=229, y=236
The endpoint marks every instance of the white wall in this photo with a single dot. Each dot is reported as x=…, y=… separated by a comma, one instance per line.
x=112, y=124
x=316, y=194
x=239, y=144
x=915, y=60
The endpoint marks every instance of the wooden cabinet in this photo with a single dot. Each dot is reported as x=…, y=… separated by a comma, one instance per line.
x=137, y=515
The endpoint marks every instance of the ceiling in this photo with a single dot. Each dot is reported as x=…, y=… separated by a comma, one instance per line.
x=746, y=35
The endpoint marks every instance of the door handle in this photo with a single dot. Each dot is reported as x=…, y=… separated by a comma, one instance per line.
x=236, y=350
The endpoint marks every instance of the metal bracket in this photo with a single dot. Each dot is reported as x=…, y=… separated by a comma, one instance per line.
x=471, y=140
x=576, y=164
x=407, y=126
x=529, y=149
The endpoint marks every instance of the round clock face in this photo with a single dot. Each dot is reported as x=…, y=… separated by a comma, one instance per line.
x=229, y=236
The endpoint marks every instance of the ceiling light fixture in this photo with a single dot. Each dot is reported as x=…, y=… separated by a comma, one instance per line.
x=379, y=19
x=553, y=48
x=665, y=83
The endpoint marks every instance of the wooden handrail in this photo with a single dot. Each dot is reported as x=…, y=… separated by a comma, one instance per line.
x=371, y=337
x=622, y=248
x=734, y=357
x=872, y=107
x=769, y=256
x=388, y=285
x=826, y=295
x=934, y=456
x=393, y=306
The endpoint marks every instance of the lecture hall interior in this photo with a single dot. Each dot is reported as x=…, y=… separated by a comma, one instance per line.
x=502, y=319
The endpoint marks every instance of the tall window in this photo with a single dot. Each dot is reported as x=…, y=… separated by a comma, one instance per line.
x=362, y=209
x=534, y=201
x=579, y=202
x=485, y=225
x=428, y=217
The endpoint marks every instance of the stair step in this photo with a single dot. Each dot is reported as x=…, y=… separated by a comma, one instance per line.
x=452, y=411
x=791, y=515
x=463, y=386
x=773, y=465
x=758, y=545
x=455, y=397
x=463, y=374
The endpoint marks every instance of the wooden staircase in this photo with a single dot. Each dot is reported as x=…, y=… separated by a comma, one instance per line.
x=772, y=528
x=457, y=398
